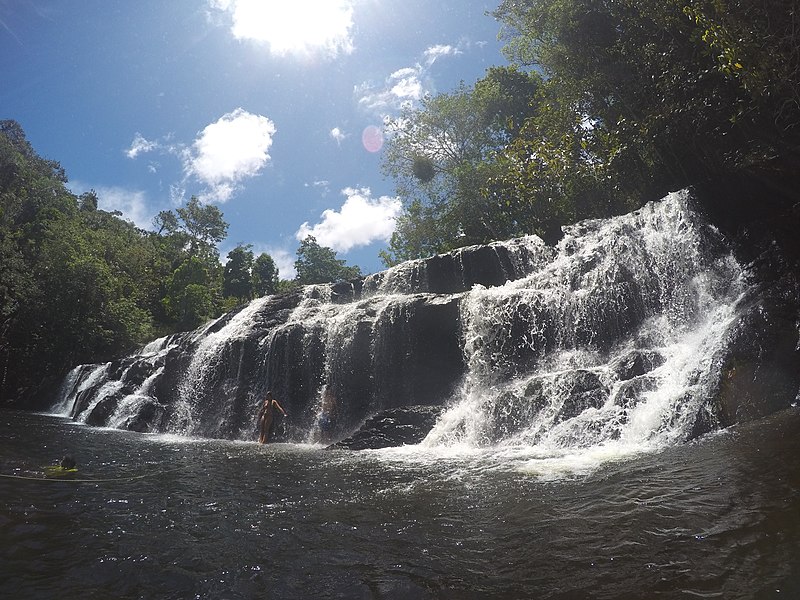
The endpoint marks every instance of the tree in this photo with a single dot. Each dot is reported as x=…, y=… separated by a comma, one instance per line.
x=265, y=275
x=79, y=284
x=167, y=222
x=204, y=225
x=672, y=92
x=236, y=279
x=88, y=201
x=318, y=264
x=441, y=156
x=189, y=300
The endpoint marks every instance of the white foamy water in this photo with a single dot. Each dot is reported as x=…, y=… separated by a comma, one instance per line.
x=644, y=281
x=203, y=361
x=604, y=347
x=80, y=379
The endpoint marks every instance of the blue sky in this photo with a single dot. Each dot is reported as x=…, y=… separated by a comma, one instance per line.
x=270, y=109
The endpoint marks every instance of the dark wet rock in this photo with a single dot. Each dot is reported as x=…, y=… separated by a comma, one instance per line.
x=512, y=412
x=147, y=414
x=383, y=352
x=578, y=390
x=636, y=363
x=581, y=390
x=346, y=291
x=489, y=265
x=705, y=422
x=104, y=409
x=443, y=275
x=760, y=371
x=393, y=427
x=632, y=391
x=482, y=265
x=137, y=371
x=418, y=345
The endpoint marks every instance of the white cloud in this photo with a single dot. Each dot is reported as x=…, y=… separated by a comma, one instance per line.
x=402, y=88
x=233, y=148
x=284, y=260
x=322, y=184
x=131, y=203
x=361, y=221
x=405, y=87
x=439, y=50
x=140, y=145
x=224, y=154
x=338, y=135
x=408, y=87
x=303, y=28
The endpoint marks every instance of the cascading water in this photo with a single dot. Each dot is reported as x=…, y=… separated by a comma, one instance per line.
x=610, y=343
x=205, y=357
x=611, y=348
x=523, y=409
x=79, y=379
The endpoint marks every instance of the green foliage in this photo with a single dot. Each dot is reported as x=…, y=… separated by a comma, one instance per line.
x=237, y=281
x=611, y=104
x=245, y=278
x=318, y=264
x=423, y=169
x=441, y=156
x=88, y=201
x=203, y=224
x=675, y=91
x=189, y=300
x=79, y=284
x=264, y=275
x=635, y=98
x=167, y=222
x=286, y=285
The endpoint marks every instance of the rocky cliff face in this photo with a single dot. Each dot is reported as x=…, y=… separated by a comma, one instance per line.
x=645, y=326
x=390, y=340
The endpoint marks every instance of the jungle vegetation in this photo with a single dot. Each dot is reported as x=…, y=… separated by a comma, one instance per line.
x=607, y=104
x=81, y=285
x=604, y=105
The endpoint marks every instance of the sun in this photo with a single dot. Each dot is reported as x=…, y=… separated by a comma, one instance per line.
x=299, y=27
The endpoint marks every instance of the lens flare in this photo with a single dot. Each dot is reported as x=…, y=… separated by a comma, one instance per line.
x=372, y=138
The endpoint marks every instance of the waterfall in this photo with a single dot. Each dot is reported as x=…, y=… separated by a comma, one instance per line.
x=613, y=346
x=77, y=384
x=618, y=339
x=196, y=378
x=77, y=381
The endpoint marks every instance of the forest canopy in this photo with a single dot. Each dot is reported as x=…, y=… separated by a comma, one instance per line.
x=82, y=285
x=607, y=104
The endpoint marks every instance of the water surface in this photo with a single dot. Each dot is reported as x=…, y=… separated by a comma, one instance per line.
x=182, y=518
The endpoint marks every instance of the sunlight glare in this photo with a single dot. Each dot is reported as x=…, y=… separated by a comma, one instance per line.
x=302, y=27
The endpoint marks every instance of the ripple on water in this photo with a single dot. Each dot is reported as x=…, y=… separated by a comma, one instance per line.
x=716, y=518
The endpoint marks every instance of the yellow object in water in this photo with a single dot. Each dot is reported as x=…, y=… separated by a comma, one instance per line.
x=58, y=471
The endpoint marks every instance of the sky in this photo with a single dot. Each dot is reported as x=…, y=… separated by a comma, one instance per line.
x=270, y=109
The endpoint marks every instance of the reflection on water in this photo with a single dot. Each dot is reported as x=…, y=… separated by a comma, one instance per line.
x=213, y=519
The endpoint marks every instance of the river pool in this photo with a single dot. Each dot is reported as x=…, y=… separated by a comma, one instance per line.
x=151, y=516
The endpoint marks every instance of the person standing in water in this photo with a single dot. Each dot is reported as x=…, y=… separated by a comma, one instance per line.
x=266, y=416
x=327, y=414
